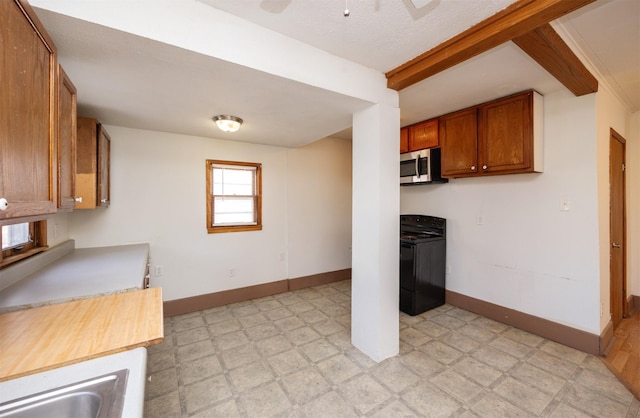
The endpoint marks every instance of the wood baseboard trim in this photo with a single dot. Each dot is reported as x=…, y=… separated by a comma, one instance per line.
x=225, y=297
x=319, y=279
x=607, y=339
x=633, y=304
x=575, y=338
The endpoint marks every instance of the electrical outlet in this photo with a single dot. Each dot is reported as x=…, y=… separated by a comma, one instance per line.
x=158, y=270
x=565, y=204
x=231, y=272
x=479, y=220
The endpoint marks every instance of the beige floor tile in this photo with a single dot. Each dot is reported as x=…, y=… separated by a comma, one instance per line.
x=364, y=393
x=304, y=385
x=199, y=369
x=429, y=401
x=264, y=401
x=529, y=398
x=290, y=355
x=329, y=405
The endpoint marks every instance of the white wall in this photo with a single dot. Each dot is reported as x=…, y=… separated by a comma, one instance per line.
x=319, y=207
x=158, y=196
x=527, y=254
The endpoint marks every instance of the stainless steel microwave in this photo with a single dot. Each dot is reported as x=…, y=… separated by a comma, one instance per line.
x=421, y=167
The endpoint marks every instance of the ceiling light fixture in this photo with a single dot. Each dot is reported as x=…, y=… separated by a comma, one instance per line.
x=228, y=123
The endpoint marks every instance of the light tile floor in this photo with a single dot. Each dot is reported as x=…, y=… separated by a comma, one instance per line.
x=290, y=355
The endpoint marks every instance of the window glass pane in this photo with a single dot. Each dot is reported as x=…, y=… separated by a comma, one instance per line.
x=227, y=181
x=233, y=210
x=15, y=235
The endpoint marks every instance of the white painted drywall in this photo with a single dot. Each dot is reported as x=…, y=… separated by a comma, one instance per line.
x=509, y=243
x=158, y=196
x=319, y=207
x=375, y=275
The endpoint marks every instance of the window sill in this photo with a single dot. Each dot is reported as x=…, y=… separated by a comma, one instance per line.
x=234, y=228
x=17, y=257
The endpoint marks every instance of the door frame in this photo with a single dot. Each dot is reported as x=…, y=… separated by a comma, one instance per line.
x=614, y=136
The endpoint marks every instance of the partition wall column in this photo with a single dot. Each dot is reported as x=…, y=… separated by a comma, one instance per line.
x=375, y=231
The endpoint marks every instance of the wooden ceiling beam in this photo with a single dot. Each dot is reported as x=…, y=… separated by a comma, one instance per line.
x=544, y=45
x=514, y=21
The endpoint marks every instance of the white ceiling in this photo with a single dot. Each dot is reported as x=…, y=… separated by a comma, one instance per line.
x=133, y=81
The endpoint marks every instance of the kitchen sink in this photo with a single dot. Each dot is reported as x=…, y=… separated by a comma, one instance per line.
x=99, y=397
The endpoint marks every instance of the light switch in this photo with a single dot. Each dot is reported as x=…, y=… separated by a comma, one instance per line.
x=565, y=204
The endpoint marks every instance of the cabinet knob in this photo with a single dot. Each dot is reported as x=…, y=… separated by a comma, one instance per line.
x=4, y=203
x=104, y=200
x=473, y=168
x=79, y=199
x=484, y=167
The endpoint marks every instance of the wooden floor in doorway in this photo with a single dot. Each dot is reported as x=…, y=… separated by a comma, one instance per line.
x=624, y=359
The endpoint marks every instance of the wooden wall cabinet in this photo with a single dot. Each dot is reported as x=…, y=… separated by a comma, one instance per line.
x=93, y=165
x=506, y=138
x=404, y=140
x=459, y=143
x=419, y=136
x=28, y=128
x=423, y=135
x=67, y=134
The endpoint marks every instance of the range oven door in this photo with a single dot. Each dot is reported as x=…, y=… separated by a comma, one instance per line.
x=415, y=167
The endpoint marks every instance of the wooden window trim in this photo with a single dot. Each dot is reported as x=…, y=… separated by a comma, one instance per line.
x=212, y=229
x=38, y=229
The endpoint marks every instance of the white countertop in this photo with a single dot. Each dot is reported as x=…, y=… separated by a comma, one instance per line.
x=134, y=360
x=85, y=272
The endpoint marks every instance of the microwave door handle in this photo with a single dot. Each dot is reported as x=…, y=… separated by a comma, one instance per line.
x=418, y=166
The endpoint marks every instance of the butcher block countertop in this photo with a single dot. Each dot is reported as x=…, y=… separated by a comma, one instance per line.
x=51, y=336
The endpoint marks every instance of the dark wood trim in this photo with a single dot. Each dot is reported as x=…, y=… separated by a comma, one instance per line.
x=607, y=339
x=547, y=48
x=578, y=339
x=513, y=21
x=633, y=304
x=319, y=279
x=212, y=300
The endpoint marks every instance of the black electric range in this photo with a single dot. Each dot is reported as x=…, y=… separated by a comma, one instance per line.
x=422, y=263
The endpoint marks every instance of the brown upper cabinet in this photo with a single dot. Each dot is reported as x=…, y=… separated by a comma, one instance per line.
x=93, y=165
x=423, y=135
x=459, y=140
x=404, y=140
x=67, y=134
x=28, y=122
x=419, y=136
x=503, y=136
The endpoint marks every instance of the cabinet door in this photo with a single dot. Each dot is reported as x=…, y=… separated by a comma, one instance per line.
x=86, y=163
x=459, y=143
x=67, y=134
x=506, y=135
x=104, y=162
x=28, y=129
x=423, y=135
x=404, y=140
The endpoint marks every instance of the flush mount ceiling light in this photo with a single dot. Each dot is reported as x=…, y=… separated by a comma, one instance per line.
x=228, y=123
